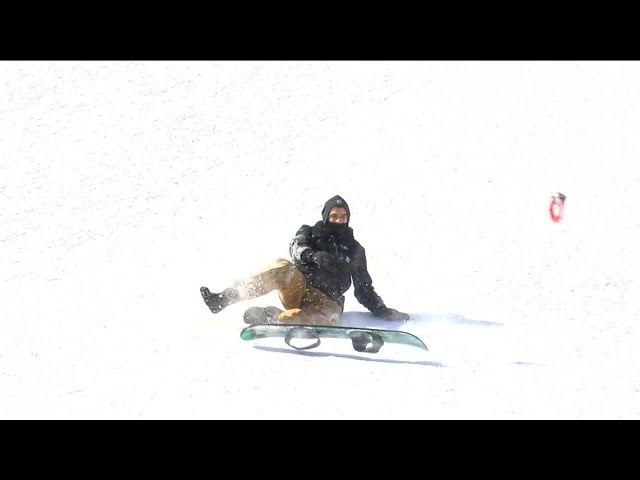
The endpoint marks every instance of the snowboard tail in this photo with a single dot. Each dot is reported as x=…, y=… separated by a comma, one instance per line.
x=368, y=340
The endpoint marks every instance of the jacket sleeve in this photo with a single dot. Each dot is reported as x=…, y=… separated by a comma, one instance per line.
x=363, y=285
x=300, y=247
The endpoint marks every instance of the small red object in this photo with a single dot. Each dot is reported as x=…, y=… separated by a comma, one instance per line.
x=556, y=207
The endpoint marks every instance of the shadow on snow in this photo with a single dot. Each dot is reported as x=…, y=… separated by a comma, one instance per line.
x=343, y=355
x=366, y=319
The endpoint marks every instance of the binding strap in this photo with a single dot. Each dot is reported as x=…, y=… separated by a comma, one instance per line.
x=366, y=341
x=302, y=332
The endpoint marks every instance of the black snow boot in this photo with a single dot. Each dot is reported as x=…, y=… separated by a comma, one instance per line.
x=217, y=301
x=255, y=315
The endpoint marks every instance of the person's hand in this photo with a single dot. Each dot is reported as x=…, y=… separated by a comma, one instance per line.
x=324, y=260
x=394, y=315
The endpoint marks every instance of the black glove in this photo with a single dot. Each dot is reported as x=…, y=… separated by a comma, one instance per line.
x=393, y=314
x=324, y=260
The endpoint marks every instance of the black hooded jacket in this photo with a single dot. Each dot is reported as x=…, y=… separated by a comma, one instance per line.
x=351, y=262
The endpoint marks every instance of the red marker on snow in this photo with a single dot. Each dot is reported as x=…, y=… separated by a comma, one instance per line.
x=556, y=207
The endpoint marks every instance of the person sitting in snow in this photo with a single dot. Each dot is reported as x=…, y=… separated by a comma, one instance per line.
x=326, y=257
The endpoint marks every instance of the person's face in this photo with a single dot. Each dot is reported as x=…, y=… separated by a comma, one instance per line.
x=338, y=215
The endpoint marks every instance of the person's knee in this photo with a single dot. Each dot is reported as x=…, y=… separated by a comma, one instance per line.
x=289, y=272
x=282, y=262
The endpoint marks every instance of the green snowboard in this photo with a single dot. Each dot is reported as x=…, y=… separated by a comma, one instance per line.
x=368, y=340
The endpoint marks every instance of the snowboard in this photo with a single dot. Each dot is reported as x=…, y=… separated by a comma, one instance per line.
x=368, y=340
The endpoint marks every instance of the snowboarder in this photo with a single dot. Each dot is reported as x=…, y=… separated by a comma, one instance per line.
x=326, y=257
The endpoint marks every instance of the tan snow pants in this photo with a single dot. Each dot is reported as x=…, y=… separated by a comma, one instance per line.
x=303, y=303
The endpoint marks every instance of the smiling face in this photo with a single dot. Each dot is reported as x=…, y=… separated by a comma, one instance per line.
x=338, y=215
